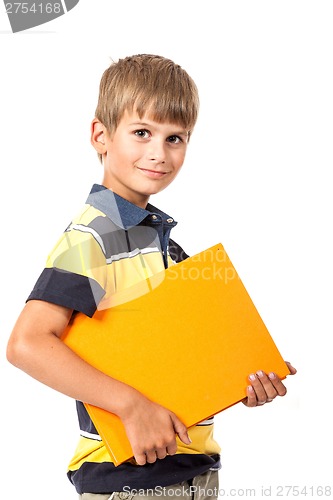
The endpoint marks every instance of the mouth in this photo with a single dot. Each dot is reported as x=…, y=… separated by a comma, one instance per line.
x=153, y=174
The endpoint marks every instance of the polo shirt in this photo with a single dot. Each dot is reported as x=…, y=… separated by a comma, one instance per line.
x=108, y=247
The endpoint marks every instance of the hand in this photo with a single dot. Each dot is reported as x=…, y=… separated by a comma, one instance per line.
x=264, y=388
x=151, y=430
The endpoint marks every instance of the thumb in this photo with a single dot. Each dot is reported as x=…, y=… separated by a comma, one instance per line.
x=180, y=429
x=291, y=368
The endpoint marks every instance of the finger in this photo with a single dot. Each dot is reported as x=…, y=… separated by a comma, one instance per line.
x=269, y=388
x=251, y=400
x=140, y=458
x=276, y=382
x=161, y=453
x=180, y=429
x=151, y=456
x=259, y=390
x=172, y=448
x=291, y=368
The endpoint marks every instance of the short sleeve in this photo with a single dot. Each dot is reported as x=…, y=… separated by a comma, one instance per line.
x=75, y=271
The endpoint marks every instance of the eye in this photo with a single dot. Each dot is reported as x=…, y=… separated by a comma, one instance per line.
x=142, y=133
x=174, y=139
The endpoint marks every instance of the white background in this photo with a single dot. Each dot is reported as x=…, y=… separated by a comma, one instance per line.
x=256, y=178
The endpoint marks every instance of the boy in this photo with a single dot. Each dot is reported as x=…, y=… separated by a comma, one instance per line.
x=145, y=115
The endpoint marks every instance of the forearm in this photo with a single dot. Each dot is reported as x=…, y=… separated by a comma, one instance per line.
x=35, y=346
x=40, y=353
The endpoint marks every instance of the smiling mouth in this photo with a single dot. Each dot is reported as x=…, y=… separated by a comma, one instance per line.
x=155, y=174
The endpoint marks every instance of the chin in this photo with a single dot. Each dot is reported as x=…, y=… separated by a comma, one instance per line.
x=151, y=191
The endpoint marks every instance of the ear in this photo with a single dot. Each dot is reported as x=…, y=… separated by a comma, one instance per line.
x=98, y=136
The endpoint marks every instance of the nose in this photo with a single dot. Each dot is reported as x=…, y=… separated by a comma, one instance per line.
x=156, y=152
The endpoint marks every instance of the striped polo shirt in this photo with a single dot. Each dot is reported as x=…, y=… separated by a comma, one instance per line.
x=109, y=247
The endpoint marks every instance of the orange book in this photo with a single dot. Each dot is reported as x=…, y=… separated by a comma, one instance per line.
x=187, y=338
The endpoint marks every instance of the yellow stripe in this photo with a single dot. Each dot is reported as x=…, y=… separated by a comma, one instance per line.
x=94, y=451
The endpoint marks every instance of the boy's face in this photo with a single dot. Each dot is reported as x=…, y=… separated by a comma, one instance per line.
x=142, y=157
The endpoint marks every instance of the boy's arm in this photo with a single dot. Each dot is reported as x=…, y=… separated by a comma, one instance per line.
x=36, y=348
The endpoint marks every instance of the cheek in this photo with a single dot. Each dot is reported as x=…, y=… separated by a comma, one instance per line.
x=179, y=160
x=132, y=151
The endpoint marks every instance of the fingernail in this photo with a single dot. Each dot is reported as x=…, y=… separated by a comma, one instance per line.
x=271, y=375
x=252, y=376
x=250, y=388
x=260, y=373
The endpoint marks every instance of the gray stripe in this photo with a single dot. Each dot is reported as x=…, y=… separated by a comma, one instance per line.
x=87, y=229
x=209, y=421
x=130, y=255
x=117, y=241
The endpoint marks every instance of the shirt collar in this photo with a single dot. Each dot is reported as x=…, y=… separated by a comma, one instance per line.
x=122, y=212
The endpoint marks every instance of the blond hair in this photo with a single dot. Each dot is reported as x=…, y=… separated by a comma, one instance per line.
x=147, y=84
